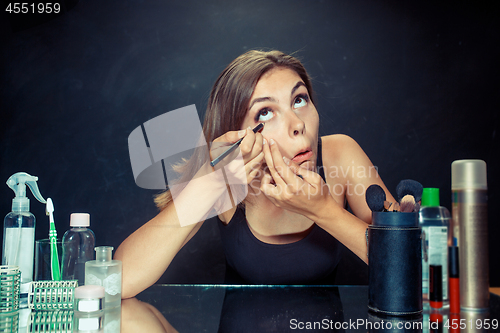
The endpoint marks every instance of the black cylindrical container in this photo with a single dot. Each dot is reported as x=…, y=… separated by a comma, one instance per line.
x=395, y=265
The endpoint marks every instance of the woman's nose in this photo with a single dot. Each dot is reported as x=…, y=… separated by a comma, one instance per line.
x=297, y=126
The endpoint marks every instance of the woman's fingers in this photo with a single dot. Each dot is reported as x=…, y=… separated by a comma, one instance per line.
x=281, y=172
x=249, y=147
x=292, y=187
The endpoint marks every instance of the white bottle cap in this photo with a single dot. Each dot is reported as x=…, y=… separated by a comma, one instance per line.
x=79, y=220
x=468, y=174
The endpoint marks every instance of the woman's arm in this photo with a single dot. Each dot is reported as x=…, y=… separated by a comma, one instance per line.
x=354, y=170
x=148, y=252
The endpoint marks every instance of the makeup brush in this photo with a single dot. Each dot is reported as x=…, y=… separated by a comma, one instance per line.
x=407, y=204
x=409, y=194
x=235, y=145
x=409, y=186
x=375, y=198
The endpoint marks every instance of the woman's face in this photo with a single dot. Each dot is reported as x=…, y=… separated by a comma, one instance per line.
x=281, y=101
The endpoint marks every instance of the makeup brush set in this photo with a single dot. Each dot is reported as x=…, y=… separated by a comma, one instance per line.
x=409, y=194
x=394, y=252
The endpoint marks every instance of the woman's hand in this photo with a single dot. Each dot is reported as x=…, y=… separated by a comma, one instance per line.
x=251, y=152
x=294, y=188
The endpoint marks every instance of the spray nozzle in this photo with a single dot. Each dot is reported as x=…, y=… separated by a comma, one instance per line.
x=17, y=182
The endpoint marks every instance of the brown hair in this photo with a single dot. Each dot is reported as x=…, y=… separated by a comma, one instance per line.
x=229, y=100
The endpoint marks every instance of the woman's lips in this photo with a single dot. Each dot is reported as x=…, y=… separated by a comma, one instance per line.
x=301, y=157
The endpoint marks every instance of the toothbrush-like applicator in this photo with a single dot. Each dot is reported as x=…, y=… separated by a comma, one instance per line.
x=54, y=256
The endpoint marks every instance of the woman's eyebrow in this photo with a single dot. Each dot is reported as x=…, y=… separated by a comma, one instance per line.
x=299, y=84
x=260, y=99
x=263, y=99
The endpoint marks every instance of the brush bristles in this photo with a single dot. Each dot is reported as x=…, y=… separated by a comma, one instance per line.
x=411, y=187
x=407, y=204
x=375, y=197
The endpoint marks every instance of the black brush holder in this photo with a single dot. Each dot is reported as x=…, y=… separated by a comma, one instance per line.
x=395, y=265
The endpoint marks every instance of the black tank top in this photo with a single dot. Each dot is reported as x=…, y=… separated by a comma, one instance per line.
x=311, y=260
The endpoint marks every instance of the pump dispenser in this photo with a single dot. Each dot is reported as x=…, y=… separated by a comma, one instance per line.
x=107, y=273
x=19, y=228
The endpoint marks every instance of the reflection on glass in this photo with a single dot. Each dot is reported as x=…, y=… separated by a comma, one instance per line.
x=244, y=309
x=281, y=309
x=215, y=308
x=396, y=325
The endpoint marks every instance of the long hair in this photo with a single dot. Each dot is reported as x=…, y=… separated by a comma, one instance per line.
x=229, y=101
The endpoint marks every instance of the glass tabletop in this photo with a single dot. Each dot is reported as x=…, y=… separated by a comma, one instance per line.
x=226, y=308
x=249, y=308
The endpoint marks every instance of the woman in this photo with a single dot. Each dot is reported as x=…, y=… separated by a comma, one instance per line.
x=293, y=216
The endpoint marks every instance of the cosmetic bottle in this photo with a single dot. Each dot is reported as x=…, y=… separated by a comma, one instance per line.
x=78, y=247
x=89, y=298
x=107, y=273
x=434, y=221
x=19, y=231
x=470, y=227
x=89, y=309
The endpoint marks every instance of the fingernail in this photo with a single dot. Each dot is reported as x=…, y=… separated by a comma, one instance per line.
x=249, y=127
x=286, y=160
x=271, y=142
x=264, y=141
x=241, y=133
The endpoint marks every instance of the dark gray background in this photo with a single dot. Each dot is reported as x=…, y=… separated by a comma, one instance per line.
x=415, y=83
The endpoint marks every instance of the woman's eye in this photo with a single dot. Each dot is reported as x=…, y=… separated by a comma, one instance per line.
x=300, y=101
x=264, y=115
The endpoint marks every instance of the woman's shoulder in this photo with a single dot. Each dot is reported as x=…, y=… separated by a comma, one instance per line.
x=340, y=149
x=336, y=139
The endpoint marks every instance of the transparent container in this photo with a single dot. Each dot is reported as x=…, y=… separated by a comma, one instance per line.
x=78, y=248
x=107, y=273
x=435, y=223
x=19, y=248
x=19, y=243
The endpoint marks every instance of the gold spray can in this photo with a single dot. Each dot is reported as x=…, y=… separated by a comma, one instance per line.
x=470, y=228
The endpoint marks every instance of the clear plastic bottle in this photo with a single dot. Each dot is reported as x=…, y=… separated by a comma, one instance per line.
x=19, y=230
x=107, y=273
x=435, y=223
x=78, y=248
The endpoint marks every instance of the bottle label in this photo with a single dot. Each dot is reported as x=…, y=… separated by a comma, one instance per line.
x=112, y=284
x=438, y=252
x=18, y=251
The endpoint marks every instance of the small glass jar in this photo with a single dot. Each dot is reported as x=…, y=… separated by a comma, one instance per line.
x=89, y=308
x=89, y=298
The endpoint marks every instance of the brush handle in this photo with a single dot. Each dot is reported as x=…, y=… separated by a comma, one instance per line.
x=54, y=256
x=226, y=152
x=235, y=145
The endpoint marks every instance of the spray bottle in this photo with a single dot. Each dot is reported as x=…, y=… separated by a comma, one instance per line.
x=19, y=228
